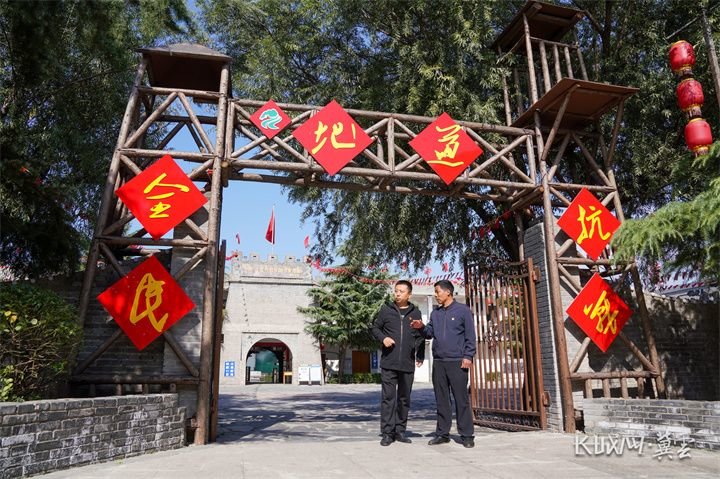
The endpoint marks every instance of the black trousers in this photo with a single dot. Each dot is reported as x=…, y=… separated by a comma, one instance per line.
x=447, y=376
x=395, y=405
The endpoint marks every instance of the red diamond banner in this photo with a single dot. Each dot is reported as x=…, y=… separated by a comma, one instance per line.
x=270, y=119
x=446, y=148
x=599, y=312
x=146, y=302
x=332, y=137
x=161, y=197
x=589, y=223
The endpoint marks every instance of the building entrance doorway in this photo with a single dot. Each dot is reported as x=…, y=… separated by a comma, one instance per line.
x=268, y=361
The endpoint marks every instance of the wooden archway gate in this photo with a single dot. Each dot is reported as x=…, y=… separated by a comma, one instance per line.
x=512, y=172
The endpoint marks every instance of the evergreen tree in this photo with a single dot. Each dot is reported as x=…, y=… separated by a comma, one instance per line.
x=343, y=309
x=66, y=68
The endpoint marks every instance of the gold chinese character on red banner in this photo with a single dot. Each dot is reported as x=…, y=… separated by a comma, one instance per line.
x=589, y=223
x=446, y=148
x=332, y=137
x=161, y=196
x=599, y=312
x=146, y=302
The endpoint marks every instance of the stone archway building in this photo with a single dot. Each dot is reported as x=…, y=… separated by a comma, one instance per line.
x=262, y=302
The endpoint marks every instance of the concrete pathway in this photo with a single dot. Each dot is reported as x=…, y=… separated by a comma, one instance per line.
x=332, y=431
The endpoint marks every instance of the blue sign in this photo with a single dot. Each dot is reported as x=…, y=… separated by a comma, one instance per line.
x=230, y=369
x=374, y=360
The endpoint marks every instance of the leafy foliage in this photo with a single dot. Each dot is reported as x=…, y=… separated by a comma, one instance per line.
x=428, y=56
x=65, y=72
x=681, y=233
x=39, y=337
x=343, y=309
x=419, y=57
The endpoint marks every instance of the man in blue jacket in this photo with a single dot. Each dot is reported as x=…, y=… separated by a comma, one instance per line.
x=403, y=349
x=452, y=329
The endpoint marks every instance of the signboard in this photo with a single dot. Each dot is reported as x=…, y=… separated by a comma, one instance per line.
x=332, y=137
x=316, y=374
x=304, y=374
x=229, y=369
x=446, y=148
x=161, y=197
x=146, y=302
x=589, y=223
x=270, y=119
x=374, y=360
x=599, y=312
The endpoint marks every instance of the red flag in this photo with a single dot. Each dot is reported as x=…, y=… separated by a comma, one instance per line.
x=445, y=267
x=307, y=241
x=270, y=233
x=428, y=270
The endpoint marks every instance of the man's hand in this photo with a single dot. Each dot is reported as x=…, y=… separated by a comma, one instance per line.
x=418, y=363
x=416, y=324
x=388, y=342
x=466, y=363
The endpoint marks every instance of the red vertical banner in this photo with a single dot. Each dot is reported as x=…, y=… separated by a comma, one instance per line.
x=270, y=233
x=307, y=241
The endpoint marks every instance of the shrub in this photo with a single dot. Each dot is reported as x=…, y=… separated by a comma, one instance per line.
x=39, y=338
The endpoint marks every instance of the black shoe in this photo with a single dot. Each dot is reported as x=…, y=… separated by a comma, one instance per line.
x=400, y=437
x=468, y=442
x=438, y=440
x=386, y=440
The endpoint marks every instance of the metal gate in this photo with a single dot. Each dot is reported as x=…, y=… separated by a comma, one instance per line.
x=506, y=384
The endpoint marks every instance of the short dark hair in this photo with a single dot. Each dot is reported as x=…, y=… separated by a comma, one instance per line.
x=406, y=283
x=446, y=285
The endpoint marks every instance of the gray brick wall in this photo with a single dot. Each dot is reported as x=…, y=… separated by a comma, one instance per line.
x=696, y=420
x=535, y=249
x=41, y=436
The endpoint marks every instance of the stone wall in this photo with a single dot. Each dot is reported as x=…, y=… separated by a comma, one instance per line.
x=41, y=436
x=650, y=418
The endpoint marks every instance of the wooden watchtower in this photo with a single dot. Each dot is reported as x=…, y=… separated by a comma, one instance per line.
x=170, y=82
x=546, y=88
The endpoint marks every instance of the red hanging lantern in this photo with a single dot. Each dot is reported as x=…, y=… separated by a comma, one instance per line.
x=698, y=136
x=682, y=57
x=690, y=97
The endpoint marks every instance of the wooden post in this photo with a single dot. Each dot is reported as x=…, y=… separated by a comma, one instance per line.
x=566, y=398
x=639, y=295
x=206, y=349
x=556, y=58
x=712, y=54
x=102, y=219
x=545, y=69
x=531, y=62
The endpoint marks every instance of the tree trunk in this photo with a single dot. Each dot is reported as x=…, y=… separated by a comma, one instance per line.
x=342, y=350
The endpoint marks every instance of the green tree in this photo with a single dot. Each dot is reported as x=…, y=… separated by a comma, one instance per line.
x=670, y=197
x=680, y=234
x=343, y=309
x=421, y=57
x=428, y=56
x=66, y=68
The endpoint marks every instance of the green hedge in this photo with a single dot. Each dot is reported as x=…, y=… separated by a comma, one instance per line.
x=357, y=378
x=39, y=338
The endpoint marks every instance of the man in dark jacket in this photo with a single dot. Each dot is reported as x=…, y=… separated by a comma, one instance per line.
x=452, y=329
x=403, y=349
